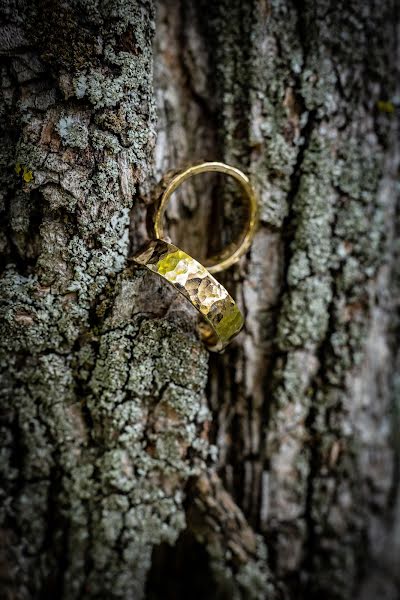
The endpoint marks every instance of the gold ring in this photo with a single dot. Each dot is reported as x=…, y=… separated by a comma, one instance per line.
x=235, y=250
x=196, y=284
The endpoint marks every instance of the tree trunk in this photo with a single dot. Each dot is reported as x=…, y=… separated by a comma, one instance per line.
x=134, y=463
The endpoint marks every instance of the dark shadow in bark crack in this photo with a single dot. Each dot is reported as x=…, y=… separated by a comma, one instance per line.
x=180, y=572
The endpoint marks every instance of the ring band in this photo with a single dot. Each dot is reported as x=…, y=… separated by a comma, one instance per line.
x=194, y=282
x=235, y=250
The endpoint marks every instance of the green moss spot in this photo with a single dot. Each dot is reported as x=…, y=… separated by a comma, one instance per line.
x=27, y=176
x=385, y=106
x=23, y=172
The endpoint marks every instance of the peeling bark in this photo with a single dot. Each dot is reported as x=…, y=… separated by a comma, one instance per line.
x=130, y=456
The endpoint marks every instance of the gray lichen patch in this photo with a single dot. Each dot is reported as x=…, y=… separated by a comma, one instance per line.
x=33, y=317
x=128, y=484
x=83, y=163
x=253, y=578
x=77, y=425
x=149, y=431
x=305, y=316
x=73, y=131
x=308, y=131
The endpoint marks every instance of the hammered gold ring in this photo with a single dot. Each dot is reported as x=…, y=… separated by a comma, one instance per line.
x=234, y=251
x=196, y=284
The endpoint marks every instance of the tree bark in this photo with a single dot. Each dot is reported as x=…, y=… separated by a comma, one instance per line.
x=134, y=464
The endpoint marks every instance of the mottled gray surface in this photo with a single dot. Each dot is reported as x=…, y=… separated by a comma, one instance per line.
x=280, y=459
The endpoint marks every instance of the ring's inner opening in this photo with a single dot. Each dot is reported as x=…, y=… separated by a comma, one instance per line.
x=207, y=215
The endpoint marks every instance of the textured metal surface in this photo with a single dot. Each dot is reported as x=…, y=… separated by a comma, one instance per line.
x=202, y=290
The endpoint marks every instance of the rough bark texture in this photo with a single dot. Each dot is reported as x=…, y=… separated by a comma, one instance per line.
x=133, y=464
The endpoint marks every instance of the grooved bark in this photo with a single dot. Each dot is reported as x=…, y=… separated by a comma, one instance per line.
x=133, y=464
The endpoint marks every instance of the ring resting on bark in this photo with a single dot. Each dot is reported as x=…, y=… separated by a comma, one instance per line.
x=235, y=250
x=195, y=283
